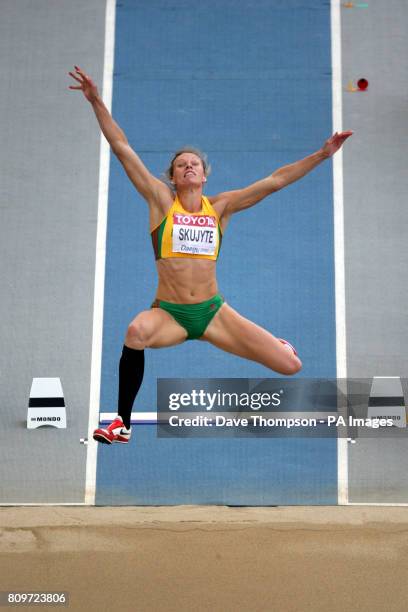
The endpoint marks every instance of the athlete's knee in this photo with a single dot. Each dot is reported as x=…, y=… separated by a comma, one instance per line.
x=288, y=365
x=293, y=366
x=138, y=334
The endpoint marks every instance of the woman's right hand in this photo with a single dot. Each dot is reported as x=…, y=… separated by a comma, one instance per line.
x=86, y=85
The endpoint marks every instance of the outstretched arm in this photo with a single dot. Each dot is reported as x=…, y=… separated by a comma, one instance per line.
x=148, y=185
x=234, y=201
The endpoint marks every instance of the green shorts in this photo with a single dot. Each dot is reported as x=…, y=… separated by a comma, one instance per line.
x=195, y=318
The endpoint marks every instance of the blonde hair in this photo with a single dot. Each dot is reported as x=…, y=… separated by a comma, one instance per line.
x=168, y=173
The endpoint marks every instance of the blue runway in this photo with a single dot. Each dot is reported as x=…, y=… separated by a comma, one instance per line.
x=250, y=84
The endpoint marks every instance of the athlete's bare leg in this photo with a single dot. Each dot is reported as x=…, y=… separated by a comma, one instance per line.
x=233, y=333
x=154, y=328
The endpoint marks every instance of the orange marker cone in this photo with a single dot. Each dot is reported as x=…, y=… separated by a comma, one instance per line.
x=348, y=5
x=350, y=86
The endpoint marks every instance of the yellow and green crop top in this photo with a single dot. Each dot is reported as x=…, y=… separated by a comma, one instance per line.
x=185, y=234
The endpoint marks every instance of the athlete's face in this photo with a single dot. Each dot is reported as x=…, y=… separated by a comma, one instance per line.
x=188, y=170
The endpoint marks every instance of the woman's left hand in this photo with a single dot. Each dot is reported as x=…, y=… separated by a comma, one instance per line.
x=334, y=143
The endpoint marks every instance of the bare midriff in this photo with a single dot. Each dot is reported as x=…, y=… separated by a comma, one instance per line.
x=185, y=280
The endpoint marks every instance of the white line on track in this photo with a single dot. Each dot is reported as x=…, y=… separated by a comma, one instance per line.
x=100, y=259
x=43, y=504
x=402, y=504
x=152, y=418
x=341, y=354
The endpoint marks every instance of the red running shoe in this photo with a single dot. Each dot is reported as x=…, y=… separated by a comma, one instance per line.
x=288, y=345
x=115, y=432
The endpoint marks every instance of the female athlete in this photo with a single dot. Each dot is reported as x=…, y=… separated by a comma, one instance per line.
x=187, y=229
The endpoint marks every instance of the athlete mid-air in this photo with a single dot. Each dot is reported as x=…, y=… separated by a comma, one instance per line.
x=186, y=229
